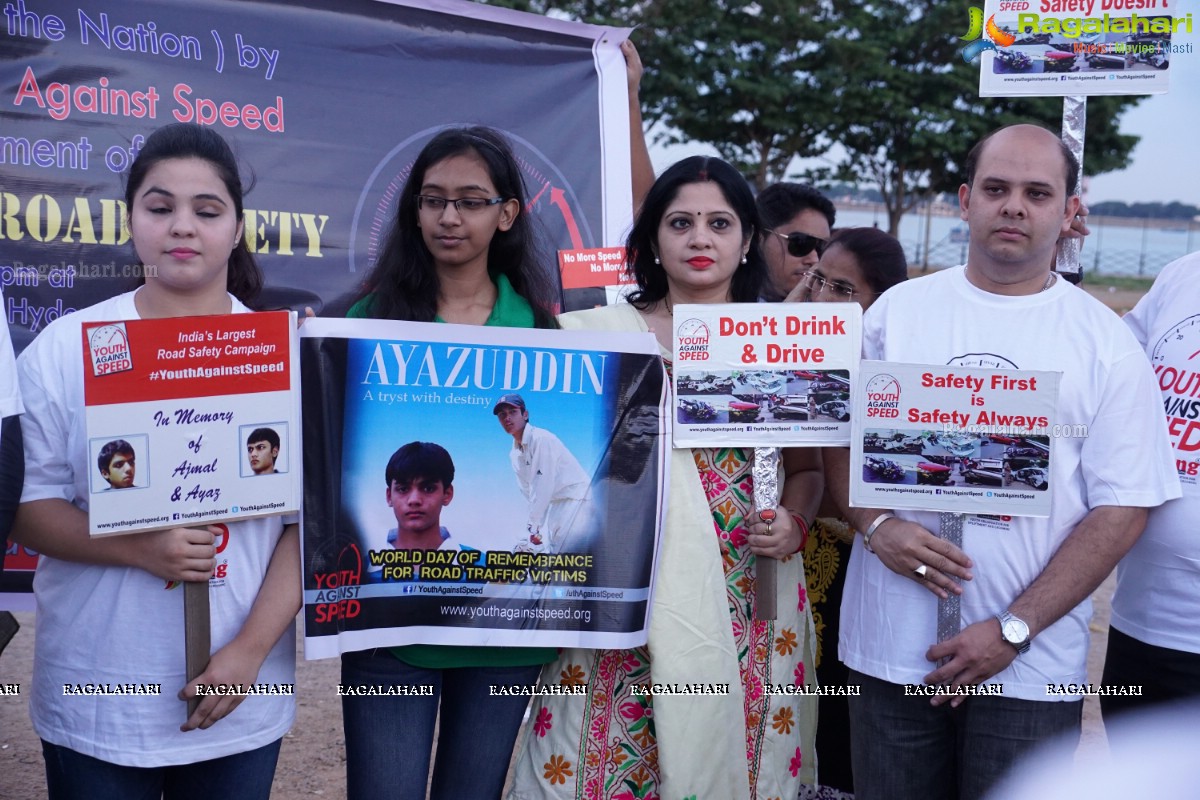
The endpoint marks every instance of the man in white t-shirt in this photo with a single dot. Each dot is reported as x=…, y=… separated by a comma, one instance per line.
x=1154, y=641
x=1026, y=581
x=549, y=476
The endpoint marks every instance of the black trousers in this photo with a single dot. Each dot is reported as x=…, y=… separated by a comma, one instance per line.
x=1164, y=675
x=12, y=475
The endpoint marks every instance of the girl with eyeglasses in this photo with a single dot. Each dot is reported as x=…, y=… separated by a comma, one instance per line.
x=858, y=266
x=462, y=249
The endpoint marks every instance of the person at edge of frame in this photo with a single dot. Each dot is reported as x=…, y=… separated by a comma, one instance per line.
x=1025, y=589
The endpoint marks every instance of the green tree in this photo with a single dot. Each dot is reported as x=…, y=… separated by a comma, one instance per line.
x=908, y=106
x=764, y=82
x=729, y=73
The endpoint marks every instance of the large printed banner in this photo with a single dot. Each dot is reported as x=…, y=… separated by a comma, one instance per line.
x=1075, y=47
x=946, y=438
x=191, y=420
x=326, y=103
x=1174, y=369
x=483, y=486
x=765, y=374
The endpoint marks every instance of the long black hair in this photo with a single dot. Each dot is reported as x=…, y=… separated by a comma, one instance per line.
x=243, y=280
x=779, y=202
x=642, y=242
x=404, y=282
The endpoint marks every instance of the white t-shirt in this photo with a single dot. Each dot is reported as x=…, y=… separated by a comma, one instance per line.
x=889, y=621
x=547, y=473
x=1158, y=582
x=121, y=625
x=10, y=396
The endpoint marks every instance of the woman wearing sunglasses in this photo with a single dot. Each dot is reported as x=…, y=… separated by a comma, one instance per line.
x=796, y=222
x=858, y=265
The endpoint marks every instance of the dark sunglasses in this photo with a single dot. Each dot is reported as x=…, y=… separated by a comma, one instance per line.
x=801, y=244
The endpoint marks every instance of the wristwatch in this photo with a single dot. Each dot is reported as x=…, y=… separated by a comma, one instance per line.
x=1015, y=631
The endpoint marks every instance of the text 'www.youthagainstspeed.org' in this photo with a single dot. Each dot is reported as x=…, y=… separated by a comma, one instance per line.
x=476, y=612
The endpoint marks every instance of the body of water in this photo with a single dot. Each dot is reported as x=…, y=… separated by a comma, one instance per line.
x=1135, y=247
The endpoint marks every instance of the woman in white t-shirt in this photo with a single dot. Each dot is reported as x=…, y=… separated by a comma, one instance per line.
x=110, y=610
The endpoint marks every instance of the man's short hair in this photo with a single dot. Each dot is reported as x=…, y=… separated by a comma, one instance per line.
x=1069, y=161
x=420, y=460
x=111, y=449
x=263, y=435
x=780, y=202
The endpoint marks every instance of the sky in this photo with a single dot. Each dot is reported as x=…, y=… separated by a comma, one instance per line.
x=1163, y=166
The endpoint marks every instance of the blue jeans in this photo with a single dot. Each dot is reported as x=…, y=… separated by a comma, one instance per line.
x=903, y=748
x=389, y=738
x=71, y=775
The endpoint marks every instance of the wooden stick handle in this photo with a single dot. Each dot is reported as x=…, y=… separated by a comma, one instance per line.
x=197, y=633
x=765, y=606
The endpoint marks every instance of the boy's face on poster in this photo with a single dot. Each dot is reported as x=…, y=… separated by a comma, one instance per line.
x=262, y=457
x=418, y=503
x=120, y=471
x=513, y=420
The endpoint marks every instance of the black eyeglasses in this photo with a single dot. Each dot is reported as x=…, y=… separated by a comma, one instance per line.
x=801, y=244
x=427, y=202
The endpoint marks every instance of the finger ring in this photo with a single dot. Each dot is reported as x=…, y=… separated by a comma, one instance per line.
x=921, y=570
